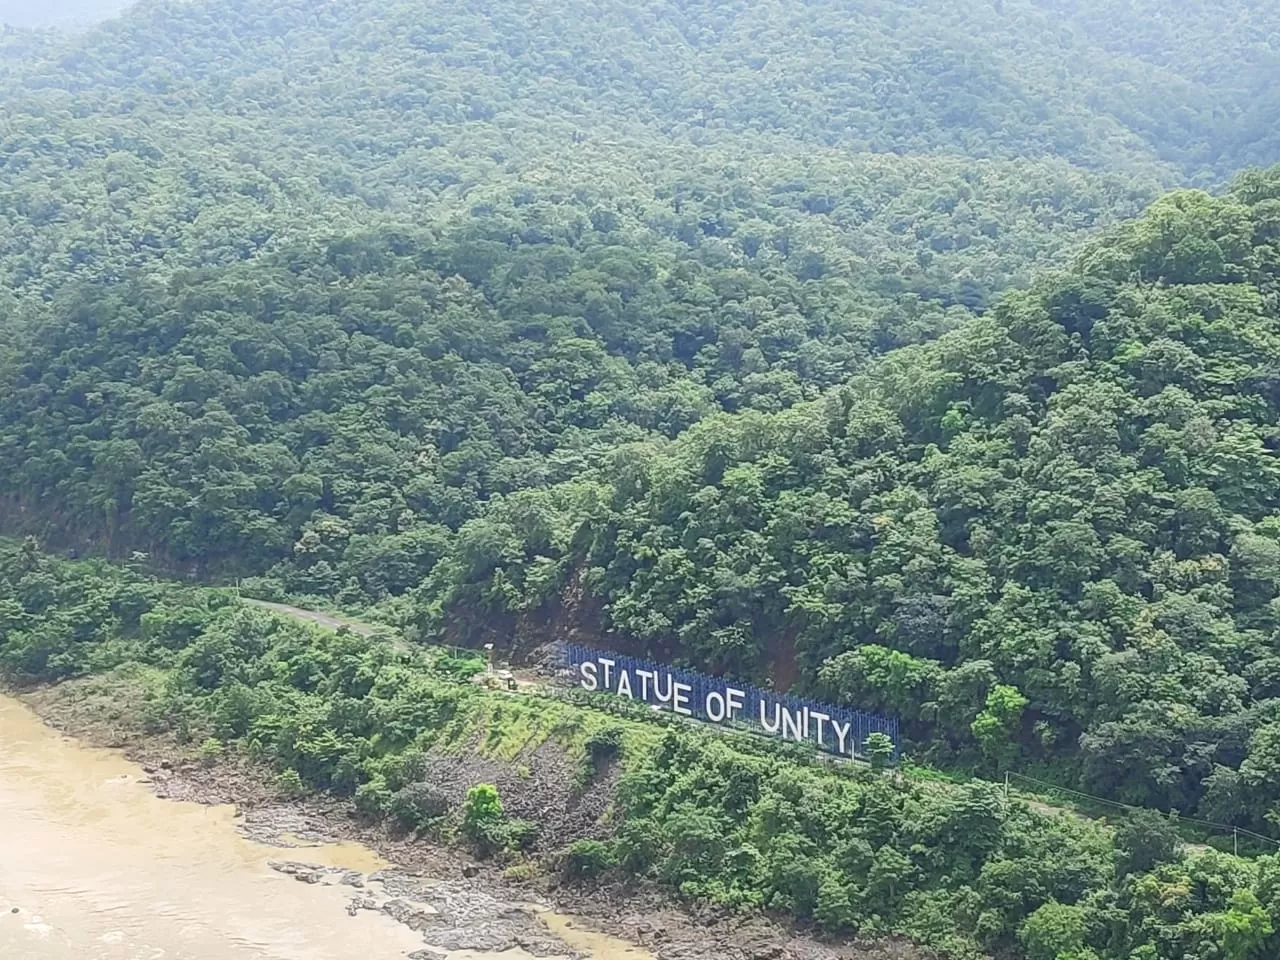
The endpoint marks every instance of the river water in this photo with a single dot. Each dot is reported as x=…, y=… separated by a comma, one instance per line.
x=94, y=866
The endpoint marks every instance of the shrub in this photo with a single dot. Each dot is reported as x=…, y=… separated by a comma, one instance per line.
x=517, y=834
x=639, y=845
x=1054, y=929
x=263, y=588
x=879, y=750
x=460, y=668
x=210, y=751
x=348, y=775
x=605, y=743
x=584, y=859
x=418, y=803
x=290, y=784
x=373, y=799
x=521, y=873
x=482, y=817
x=409, y=767
x=1145, y=839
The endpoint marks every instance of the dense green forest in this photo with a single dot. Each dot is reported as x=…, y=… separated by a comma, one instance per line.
x=1065, y=501
x=734, y=822
x=815, y=342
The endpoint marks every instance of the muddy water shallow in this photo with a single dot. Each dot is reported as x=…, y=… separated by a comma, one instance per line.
x=93, y=866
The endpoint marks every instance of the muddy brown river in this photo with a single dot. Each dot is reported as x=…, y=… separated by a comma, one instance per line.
x=93, y=866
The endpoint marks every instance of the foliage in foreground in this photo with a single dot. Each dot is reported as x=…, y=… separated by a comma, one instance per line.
x=954, y=867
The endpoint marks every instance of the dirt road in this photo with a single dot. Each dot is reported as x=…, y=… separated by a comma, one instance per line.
x=332, y=621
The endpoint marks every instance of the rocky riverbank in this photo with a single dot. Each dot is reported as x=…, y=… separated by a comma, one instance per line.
x=456, y=903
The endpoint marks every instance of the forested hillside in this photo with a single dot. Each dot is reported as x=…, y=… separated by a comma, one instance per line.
x=1045, y=535
x=806, y=341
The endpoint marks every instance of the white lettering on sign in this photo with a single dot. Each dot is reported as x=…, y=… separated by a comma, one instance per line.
x=791, y=725
x=657, y=691
x=842, y=733
x=680, y=703
x=733, y=698
x=822, y=719
x=764, y=720
x=828, y=728
x=715, y=707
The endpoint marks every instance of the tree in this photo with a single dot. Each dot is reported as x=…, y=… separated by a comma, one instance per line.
x=1244, y=927
x=878, y=749
x=996, y=726
x=1145, y=839
x=1054, y=930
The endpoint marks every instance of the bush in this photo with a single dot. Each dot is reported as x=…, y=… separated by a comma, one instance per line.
x=373, y=799
x=409, y=767
x=263, y=588
x=210, y=751
x=290, y=784
x=482, y=817
x=521, y=873
x=459, y=668
x=584, y=859
x=1053, y=930
x=348, y=775
x=517, y=834
x=418, y=803
x=879, y=750
x=639, y=845
x=1145, y=839
x=605, y=743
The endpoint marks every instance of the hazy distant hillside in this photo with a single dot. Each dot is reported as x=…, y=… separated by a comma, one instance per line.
x=58, y=13
x=251, y=121
x=198, y=133
x=1092, y=82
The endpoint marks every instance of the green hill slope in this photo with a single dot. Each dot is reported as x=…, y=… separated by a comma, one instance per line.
x=1047, y=537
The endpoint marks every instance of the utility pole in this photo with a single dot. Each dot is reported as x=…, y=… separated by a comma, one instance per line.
x=1235, y=837
x=1006, y=787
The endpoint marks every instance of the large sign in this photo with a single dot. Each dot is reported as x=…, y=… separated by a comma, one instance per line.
x=837, y=730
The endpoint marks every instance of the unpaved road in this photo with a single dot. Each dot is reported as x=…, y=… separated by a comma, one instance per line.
x=332, y=621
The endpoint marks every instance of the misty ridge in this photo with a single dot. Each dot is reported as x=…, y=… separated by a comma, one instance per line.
x=58, y=13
